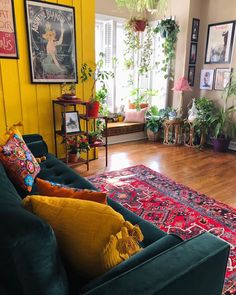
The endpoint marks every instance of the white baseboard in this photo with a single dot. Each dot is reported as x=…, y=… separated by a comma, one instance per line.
x=126, y=137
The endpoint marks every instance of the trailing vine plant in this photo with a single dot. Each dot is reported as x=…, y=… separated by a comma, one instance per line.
x=169, y=29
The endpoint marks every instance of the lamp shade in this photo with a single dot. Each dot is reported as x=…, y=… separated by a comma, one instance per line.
x=182, y=85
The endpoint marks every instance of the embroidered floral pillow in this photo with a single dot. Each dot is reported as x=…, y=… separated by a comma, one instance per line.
x=19, y=162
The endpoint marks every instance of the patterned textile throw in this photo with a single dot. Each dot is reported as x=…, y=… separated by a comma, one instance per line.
x=172, y=207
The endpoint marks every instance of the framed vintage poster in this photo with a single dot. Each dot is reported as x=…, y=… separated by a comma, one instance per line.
x=222, y=78
x=195, y=29
x=191, y=75
x=8, y=42
x=51, y=37
x=206, y=79
x=219, y=43
x=72, y=122
x=193, y=53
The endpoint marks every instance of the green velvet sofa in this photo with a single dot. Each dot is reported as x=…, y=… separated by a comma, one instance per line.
x=30, y=262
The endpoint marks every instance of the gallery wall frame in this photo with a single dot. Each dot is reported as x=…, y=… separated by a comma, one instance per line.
x=8, y=39
x=52, y=42
x=193, y=53
x=191, y=75
x=206, y=79
x=219, y=42
x=222, y=78
x=195, y=29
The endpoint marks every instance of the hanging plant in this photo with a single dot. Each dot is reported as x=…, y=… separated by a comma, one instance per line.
x=146, y=51
x=168, y=30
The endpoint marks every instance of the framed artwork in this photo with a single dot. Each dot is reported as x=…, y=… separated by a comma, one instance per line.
x=51, y=38
x=71, y=121
x=191, y=75
x=193, y=53
x=222, y=78
x=219, y=43
x=195, y=29
x=8, y=42
x=206, y=79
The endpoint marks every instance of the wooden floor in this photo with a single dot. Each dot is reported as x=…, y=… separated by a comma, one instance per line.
x=213, y=174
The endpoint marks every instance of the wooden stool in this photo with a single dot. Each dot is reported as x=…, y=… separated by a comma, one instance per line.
x=173, y=132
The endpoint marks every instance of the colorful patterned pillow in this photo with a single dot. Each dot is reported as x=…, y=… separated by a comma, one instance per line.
x=49, y=188
x=19, y=162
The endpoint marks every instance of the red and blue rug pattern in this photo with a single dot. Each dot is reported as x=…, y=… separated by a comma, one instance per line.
x=172, y=207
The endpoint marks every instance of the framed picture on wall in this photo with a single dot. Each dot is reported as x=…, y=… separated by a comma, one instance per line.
x=193, y=53
x=51, y=38
x=8, y=42
x=195, y=29
x=191, y=75
x=219, y=43
x=206, y=79
x=222, y=78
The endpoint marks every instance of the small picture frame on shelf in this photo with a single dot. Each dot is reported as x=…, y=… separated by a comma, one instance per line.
x=195, y=29
x=191, y=75
x=193, y=53
x=71, y=121
x=206, y=79
x=222, y=78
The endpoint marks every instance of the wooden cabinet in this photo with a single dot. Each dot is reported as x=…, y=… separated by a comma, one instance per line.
x=65, y=106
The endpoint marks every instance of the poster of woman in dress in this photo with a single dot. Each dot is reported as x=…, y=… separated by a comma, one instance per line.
x=51, y=34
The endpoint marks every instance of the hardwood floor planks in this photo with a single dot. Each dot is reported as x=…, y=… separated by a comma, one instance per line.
x=213, y=174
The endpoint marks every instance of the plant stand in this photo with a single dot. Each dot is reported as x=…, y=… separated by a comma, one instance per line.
x=173, y=130
x=64, y=104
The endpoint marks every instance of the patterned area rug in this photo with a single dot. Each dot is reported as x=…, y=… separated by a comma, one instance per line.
x=172, y=207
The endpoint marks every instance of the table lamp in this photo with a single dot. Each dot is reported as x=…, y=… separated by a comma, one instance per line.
x=181, y=85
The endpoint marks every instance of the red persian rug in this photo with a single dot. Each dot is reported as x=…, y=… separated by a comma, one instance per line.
x=173, y=208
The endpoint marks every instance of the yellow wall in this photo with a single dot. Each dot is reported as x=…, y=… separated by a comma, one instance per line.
x=32, y=103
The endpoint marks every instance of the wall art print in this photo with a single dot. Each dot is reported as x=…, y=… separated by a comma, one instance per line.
x=219, y=43
x=206, y=79
x=222, y=78
x=8, y=42
x=51, y=37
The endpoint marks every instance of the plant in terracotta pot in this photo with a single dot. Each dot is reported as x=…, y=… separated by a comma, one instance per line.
x=222, y=121
x=141, y=98
x=168, y=29
x=154, y=124
x=68, y=91
x=76, y=145
x=99, y=75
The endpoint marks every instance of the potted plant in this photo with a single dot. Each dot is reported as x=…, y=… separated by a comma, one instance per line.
x=98, y=74
x=222, y=121
x=141, y=98
x=205, y=108
x=96, y=134
x=154, y=124
x=68, y=91
x=76, y=145
x=168, y=29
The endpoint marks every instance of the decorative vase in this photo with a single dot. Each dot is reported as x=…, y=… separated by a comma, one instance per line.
x=93, y=109
x=72, y=158
x=153, y=136
x=192, y=113
x=220, y=144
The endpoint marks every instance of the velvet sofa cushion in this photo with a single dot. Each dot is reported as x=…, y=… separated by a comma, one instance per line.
x=29, y=258
x=150, y=251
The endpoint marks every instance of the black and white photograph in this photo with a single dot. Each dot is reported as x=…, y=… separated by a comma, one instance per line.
x=193, y=53
x=195, y=29
x=206, y=79
x=191, y=75
x=72, y=123
x=51, y=37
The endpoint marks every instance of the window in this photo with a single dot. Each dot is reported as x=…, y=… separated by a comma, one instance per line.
x=110, y=37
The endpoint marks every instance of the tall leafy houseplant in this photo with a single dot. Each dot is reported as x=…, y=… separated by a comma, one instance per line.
x=202, y=123
x=169, y=29
x=154, y=124
x=98, y=74
x=222, y=121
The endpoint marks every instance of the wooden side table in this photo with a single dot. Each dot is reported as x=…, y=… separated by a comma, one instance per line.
x=173, y=132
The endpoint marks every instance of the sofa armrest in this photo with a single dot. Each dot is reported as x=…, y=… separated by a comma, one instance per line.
x=36, y=144
x=196, y=266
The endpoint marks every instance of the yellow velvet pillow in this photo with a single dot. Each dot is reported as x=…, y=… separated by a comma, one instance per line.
x=49, y=188
x=92, y=237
